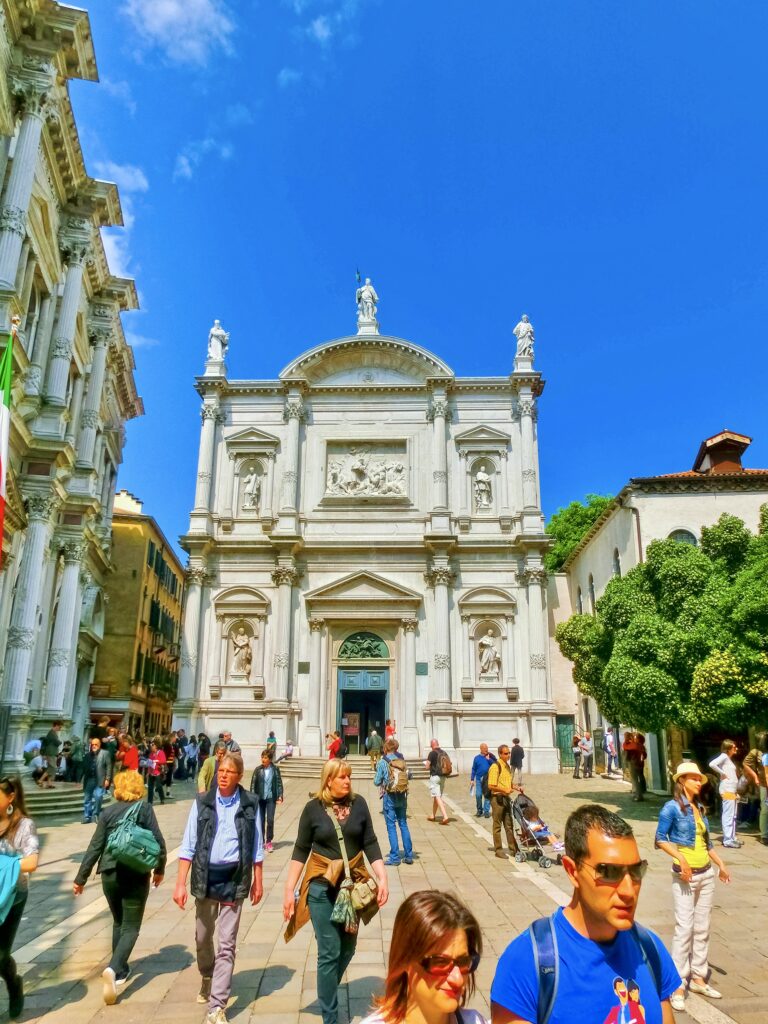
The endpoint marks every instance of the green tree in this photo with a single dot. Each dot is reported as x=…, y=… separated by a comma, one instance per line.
x=568, y=525
x=681, y=639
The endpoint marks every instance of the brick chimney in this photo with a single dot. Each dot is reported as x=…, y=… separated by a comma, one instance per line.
x=722, y=453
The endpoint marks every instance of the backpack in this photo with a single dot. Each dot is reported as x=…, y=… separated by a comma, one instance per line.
x=398, y=775
x=546, y=960
x=343, y=751
x=444, y=766
x=132, y=845
x=484, y=786
x=605, y=746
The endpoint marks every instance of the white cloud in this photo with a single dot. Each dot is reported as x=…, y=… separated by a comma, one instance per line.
x=193, y=154
x=288, y=77
x=130, y=180
x=238, y=114
x=120, y=91
x=127, y=177
x=335, y=24
x=117, y=251
x=140, y=340
x=187, y=31
x=320, y=28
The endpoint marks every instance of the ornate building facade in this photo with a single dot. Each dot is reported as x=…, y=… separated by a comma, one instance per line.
x=367, y=543
x=73, y=382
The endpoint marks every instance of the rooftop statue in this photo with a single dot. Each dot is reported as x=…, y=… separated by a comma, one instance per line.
x=218, y=342
x=366, y=303
x=524, y=334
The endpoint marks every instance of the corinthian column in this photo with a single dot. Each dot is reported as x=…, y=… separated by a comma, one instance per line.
x=190, y=637
x=210, y=416
x=527, y=409
x=439, y=413
x=536, y=580
x=408, y=731
x=284, y=577
x=294, y=413
x=440, y=577
x=61, y=642
x=100, y=336
x=75, y=249
x=32, y=84
x=313, y=733
x=23, y=631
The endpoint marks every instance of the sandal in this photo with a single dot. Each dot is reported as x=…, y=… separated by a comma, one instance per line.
x=445, y=821
x=430, y=819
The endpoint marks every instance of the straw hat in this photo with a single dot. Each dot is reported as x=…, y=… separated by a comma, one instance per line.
x=688, y=768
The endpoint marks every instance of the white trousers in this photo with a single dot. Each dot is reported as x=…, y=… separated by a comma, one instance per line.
x=693, y=911
x=728, y=818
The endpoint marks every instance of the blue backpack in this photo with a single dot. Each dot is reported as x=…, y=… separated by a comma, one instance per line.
x=547, y=961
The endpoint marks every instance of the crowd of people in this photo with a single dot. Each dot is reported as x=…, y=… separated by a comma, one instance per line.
x=337, y=879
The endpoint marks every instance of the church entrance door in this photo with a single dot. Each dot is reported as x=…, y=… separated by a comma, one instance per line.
x=363, y=704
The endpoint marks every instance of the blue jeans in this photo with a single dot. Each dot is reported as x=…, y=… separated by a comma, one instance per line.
x=483, y=803
x=92, y=801
x=395, y=807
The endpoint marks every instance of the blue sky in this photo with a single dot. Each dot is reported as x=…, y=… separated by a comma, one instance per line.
x=598, y=165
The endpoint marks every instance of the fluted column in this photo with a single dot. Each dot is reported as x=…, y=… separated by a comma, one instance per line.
x=535, y=580
x=210, y=416
x=284, y=577
x=75, y=251
x=527, y=409
x=508, y=656
x=408, y=731
x=294, y=413
x=439, y=413
x=190, y=637
x=23, y=629
x=32, y=84
x=33, y=382
x=61, y=641
x=464, y=499
x=268, y=500
x=90, y=418
x=466, y=643
x=313, y=732
x=506, y=504
x=441, y=578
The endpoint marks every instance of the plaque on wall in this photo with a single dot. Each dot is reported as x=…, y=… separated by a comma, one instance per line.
x=366, y=472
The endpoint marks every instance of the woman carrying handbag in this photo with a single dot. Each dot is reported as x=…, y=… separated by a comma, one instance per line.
x=337, y=892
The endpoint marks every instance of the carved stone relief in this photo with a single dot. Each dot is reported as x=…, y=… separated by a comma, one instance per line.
x=363, y=470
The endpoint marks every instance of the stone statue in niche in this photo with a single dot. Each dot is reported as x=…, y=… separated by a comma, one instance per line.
x=241, y=663
x=218, y=342
x=366, y=303
x=524, y=334
x=490, y=659
x=251, y=491
x=361, y=473
x=483, y=491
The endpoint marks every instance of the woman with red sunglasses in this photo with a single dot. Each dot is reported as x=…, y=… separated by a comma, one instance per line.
x=435, y=950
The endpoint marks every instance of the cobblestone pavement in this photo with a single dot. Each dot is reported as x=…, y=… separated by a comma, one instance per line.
x=63, y=943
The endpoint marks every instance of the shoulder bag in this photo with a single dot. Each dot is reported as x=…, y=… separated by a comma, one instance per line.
x=353, y=896
x=132, y=845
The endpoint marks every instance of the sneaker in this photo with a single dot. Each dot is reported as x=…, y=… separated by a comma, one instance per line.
x=705, y=990
x=479, y=814
x=487, y=815
x=110, y=987
x=501, y=854
x=269, y=847
x=124, y=978
x=407, y=860
x=677, y=1001
x=217, y=1016
x=733, y=846
x=392, y=863
x=15, y=997
x=205, y=990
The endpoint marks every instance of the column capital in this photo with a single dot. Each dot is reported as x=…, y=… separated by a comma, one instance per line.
x=13, y=218
x=285, y=575
x=526, y=406
x=31, y=83
x=100, y=332
x=316, y=624
x=41, y=507
x=409, y=625
x=534, y=575
x=439, y=576
x=439, y=408
x=210, y=412
x=294, y=409
x=89, y=418
x=196, y=576
x=74, y=552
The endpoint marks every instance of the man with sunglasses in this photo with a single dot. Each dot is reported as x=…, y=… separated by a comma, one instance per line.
x=580, y=963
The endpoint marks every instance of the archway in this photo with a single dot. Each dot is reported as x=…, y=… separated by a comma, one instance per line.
x=363, y=688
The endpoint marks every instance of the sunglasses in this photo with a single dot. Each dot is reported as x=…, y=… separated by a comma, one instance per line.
x=441, y=966
x=613, y=874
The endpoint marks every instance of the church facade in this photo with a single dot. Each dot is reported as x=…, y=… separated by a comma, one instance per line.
x=366, y=544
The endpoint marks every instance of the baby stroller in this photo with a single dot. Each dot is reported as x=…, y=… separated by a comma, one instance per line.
x=529, y=844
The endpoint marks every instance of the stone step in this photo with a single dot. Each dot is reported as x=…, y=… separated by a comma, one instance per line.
x=62, y=803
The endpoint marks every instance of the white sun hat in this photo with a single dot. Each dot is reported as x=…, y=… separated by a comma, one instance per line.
x=688, y=768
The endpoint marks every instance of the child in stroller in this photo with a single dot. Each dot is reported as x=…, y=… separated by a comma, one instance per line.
x=534, y=836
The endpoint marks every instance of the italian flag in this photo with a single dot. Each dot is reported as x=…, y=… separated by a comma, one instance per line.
x=5, y=424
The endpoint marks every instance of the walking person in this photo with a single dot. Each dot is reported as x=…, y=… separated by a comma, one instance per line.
x=333, y=816
x=50, y=747
x=333, y=745
x=97, y=776
x=683, y=834
x=171, y=751
x=19, y=852
x=392, y=777
x=635, y=755
x=125, y=889
x=480, y=766
x=75, y=760
x=267, y=787
x=611, y=751
x=587, y=748
x=374, y=746
x=576, y=752
x=191, y=755
x=755, y=766
x=156, y=771
x=206, y=777
x=233, y=747
x=127, y=754
x=433, y=955
x=439, y=766
x=501, y=787
x=272, y=743
x=223, y=851
x=729, y=780
x=516, y=758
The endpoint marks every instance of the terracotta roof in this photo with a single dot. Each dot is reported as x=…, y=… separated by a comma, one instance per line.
x=704, y=476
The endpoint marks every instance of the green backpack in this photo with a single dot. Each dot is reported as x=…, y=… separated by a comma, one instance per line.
x=132, y=845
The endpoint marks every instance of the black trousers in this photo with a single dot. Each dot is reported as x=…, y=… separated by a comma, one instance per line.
x=126, y=893
x=576, y=763
x=155, y=782
x=8, y=930
x=267, y=812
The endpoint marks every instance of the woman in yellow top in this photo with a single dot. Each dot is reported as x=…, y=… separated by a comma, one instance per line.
x=683, y=833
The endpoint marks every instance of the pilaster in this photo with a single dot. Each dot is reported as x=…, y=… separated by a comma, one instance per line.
x=61, y=640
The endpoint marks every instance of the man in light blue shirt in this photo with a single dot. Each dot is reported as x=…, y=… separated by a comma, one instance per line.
x=223, y=850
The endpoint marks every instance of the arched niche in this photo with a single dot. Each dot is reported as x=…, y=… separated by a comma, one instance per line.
x=249, y=486
x=488, y=660
x=484, y=479
x=240, y=608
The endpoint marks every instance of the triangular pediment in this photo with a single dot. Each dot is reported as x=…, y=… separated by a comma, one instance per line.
x=251, y=440
x=363, y=588
x=482, y=435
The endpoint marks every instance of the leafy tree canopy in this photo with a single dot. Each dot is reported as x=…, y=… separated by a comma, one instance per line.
x=681, y=639
x=568, y=525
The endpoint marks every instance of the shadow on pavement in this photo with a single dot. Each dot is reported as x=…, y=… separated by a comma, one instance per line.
x=645, y=810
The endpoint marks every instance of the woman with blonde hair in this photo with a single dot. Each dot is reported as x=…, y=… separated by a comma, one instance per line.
x=126, y=890
x=335, y=832
x=434, y=953
x=18, y=838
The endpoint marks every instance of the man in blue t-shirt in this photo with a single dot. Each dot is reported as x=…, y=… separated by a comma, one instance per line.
x=602, y=973
x=480, y=768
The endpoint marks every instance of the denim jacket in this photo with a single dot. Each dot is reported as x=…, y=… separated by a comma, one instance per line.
x=678, y=826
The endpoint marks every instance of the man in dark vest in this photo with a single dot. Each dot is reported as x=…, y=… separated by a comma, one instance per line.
x=223, y=850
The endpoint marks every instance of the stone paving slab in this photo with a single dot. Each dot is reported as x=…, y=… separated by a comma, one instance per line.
x=62, y=955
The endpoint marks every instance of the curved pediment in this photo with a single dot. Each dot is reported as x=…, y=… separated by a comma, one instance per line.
x=366, y=361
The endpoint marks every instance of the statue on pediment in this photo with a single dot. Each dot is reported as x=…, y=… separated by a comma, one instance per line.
x=218, y=342
x=525, y=338
x=366, y=303
x=483, y=491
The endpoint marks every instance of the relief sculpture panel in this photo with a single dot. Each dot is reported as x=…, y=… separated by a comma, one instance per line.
x=376, y=469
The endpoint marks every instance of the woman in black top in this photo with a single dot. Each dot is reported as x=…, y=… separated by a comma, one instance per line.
x=126, y=890
x=317, y=836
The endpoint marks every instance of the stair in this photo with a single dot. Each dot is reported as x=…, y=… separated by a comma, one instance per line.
x=63, y=803
x=311, y=767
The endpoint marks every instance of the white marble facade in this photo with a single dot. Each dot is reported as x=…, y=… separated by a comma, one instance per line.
x=367, y=540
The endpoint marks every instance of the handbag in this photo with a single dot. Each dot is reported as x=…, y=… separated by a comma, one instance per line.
x=132, y=845
x=353, y=897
